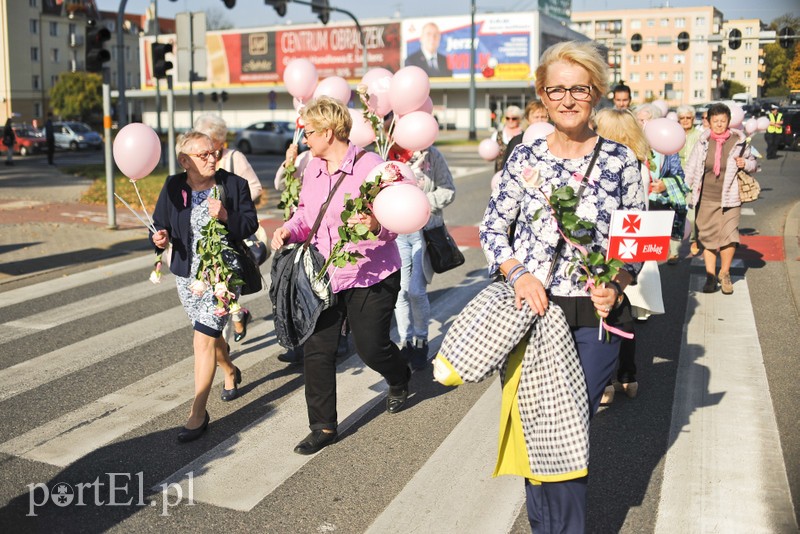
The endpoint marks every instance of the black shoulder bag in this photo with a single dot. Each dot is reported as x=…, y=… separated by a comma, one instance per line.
x=250, y=273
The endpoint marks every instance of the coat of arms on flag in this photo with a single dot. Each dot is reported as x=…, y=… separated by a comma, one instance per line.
x=640, y=235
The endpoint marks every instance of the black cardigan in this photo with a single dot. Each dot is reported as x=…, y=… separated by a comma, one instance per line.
x=174, y=208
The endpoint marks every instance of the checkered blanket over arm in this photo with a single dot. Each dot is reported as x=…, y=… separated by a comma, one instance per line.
x=552, y=396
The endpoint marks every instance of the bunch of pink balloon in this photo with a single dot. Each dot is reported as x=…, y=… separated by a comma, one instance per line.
x=537, y=130
x=137, y=151
x=665, y=136
x=762, y=123
x=750, y=126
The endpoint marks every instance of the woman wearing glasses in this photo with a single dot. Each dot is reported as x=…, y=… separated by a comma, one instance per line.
x=366, y=291
x=185, y=205
x=686, y=116
x=570, y=80
x=512, y=126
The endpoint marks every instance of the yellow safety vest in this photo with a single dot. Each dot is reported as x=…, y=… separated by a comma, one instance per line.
x=775, y=129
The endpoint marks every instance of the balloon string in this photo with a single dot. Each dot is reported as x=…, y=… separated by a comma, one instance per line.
x=144, y=209
x=150, y=226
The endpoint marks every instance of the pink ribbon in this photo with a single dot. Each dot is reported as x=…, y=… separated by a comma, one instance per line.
x=185, y=198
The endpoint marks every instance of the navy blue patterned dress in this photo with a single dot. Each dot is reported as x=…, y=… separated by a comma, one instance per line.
x=532, y=170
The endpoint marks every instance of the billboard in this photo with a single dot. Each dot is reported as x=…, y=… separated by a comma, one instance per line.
x=441, y=45
x=259, y=57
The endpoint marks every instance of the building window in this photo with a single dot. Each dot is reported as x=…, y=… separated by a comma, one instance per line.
x=747, y=75
x=37, y=106
x=54, y=55
x=72, y=28
x=748, y=46
x=635, y=59
x=53, y=80
x=32, y=3
x=648, y=94
x=648, y=76
x=663, y=58
x=651, y=23
x=649, y=58
x=635, y=95
x=127, y=53
x=679, y=59
x=731, y=61
x=662, y=76
x=678, y=76
x=35, y=83
x=636, y=24
x=748, y=61
x=699, y=58
x=699, y=93
x=680, y=22
x=664, y=23
x=700, y=21
x=54, y=29
x=733, y=75
x=34, y=26
x=748, y=31
x=635, y=77
x=699, y=75
x=34, y=53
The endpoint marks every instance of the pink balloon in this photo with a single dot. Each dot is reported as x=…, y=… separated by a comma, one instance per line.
x=375, y=74
x=488, y=149
x=379, y=101
x=300, y=77
x=662, y=106
x=537, y=130
x=402, y=208
x=763, y=124
x=416, y=131
x=737, y=116
x=672, y=116
x=361, y=134
x=426, y=107
x=751, y=126
x=409, y=88
x=665, y=136
x=393, y=168
x=496, y=180
x=137, y=150
x=335, y=87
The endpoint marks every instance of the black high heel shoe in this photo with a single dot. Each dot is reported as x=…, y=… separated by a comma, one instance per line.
x=238, y=336
x=230, y=394
x=186, y=435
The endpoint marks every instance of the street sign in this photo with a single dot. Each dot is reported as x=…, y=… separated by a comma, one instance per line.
x=190, y=34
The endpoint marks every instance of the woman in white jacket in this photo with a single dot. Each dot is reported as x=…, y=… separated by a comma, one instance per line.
x=711, y=173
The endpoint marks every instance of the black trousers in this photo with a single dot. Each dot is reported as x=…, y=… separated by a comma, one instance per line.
x=369, y=311
x=773, y=140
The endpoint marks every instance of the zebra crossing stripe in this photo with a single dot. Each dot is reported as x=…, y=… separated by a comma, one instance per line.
x=454, y=491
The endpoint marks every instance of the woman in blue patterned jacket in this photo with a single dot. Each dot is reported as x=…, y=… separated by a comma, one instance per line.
x=570, y=80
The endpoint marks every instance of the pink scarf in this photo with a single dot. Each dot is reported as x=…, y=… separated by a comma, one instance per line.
x=720, y=139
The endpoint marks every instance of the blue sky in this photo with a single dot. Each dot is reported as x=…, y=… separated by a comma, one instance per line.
x=251, y=13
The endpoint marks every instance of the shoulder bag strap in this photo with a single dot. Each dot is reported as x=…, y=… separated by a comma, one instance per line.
x=230, y=159
x=561, y=241
x=324, y=207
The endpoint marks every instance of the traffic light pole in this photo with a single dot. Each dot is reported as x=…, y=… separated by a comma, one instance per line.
x=111, y=208
x=158, y=83
x=122, y=111
x=473, y=134
x=171, y=127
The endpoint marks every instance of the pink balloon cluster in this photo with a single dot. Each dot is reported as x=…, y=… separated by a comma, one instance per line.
x=137, y=150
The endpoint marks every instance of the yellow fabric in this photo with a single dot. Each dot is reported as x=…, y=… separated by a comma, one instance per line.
x=445, y=373
x=774, y=118
x=512, y=451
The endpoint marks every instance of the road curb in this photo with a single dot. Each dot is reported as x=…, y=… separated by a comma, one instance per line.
x=791, y=243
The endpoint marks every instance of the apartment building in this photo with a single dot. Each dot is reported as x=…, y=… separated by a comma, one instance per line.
x=660, y=68
x=745, y=64
x=41, y=39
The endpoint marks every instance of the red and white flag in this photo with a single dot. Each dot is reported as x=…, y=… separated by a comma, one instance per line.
x=640, y=235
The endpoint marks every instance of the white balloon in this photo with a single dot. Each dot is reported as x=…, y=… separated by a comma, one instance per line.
x=537, y=130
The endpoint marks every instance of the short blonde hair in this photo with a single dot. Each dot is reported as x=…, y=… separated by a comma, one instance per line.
x=621, y=126
x=213, y=126
x=534, y=105
x=326, y=112
x=584, y=54
x=188, y=138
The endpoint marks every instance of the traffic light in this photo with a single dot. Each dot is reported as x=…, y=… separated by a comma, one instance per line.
x=734, y=39
x=322, y=9
x=683, y=41
x=159, y=53
x=96, y=55
x=279, y=5
x=786, y=37
x=636, y=42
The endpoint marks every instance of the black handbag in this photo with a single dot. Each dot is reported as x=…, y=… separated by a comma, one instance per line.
x=256, y=243
x=250, y=272
x=442, y=249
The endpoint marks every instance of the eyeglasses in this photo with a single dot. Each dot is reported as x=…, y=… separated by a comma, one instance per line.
x=581, y=93
x=686, y=117
x=205, y=155
x=512, y=118
x=306, y=133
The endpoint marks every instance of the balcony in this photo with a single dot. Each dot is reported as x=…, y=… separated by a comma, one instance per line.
x=75, y=40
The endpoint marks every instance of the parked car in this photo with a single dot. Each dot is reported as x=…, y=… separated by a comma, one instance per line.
x=791, y=128
x=29, y=141
x=266, y=136
x=74, y=135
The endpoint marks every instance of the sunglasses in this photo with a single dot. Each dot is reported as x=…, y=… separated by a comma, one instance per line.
x=205, y=155
x=512, y=118
x=686, y=117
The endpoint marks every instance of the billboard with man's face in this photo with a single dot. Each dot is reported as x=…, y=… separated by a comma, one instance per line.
x=441, y=45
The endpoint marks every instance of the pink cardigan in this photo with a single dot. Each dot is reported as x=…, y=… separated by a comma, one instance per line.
x=381, y=257
x=695, y=168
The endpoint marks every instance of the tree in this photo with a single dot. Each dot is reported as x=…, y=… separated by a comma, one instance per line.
x=793, y=82
x=77, y=95
x=216, y=20
x=776, y=70
x=730, y=88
